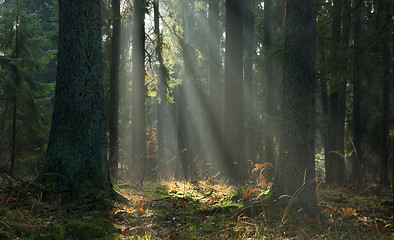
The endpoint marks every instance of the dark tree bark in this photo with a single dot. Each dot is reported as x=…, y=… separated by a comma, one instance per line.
x=296, y=166
x=186, y=102
x=342, y=96
x=76, y=157
x=384, y=172
x=233, y=93
x=385, y=119
x=269, y=102
x=214, y=108
x=249, y=54
x=331, y=151
x=183, y=133
x=324, y=117
x=15, y=75
x=138, y=144
x=114, y=90
x=357, y=88
x=335, y=165
x=162, y=103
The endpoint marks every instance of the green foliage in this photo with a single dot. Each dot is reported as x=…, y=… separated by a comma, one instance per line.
x=22, y=77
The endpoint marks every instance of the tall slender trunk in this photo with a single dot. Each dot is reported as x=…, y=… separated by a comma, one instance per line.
x=215, y=114
x=233, y=93
x=114, y=90
x=335, y=165
x=162, y=103
x=248, y=77
x=15, y=98
x=357, y=89
x=269, y=102
x=138, y=91
x=384, y=172
x=385, y=119
x=324, y=114
x=342, y=96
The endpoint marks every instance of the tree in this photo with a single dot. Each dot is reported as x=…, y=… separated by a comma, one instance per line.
x=25, y=97
x=215, y=106
x=335, y=166
x=138, y=145
x=162, y=102
x=295, y=176
x=269, y=101
x=233, y=93
x=357, y=88
x=386, y=52
x=76, y=157
x=114, y=90
x=16, y=77
x=249, y=54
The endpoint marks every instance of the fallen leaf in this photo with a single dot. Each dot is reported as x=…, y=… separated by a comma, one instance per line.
x=126, y=231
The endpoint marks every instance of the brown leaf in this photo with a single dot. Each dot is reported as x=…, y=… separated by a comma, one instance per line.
x=126, y=231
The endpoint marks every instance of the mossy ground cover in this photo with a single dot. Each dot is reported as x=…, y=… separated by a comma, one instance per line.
x=197, y=210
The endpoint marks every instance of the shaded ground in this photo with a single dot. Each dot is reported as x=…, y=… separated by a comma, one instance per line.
x=195, y=210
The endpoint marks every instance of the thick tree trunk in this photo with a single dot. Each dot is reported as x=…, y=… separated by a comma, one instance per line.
x=114, y=90
x=138, y=144
x=296, y=166
x=76, y=157
x=233, y=93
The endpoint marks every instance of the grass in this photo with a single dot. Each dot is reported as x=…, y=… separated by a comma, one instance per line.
x=196, y=210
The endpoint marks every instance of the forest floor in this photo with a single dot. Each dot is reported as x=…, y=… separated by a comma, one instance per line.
x=196, y=210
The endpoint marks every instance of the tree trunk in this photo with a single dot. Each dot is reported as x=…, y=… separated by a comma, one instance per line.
x=335, y=165
x=214, y=115
x=342, y=96
x=76, y=157
x=162, y=103
x=15, y=74
x=248, y=77
x=385, y=119
x=114, y=90
x=233, y=93
x=384, y=172
x=183, y=133
x=357, y=88
x=324, y=117
x=138, y=144
x=269, y=102
x=331, y=151
x=296, y=166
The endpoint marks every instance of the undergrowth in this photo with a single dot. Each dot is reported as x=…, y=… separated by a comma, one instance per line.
x=195, y=210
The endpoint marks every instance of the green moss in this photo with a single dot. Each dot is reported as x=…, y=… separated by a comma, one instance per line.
x=6, y=235
x=54, y=232
x=97, y=229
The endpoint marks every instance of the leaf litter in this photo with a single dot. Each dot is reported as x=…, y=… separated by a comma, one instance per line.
x=198, y=210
